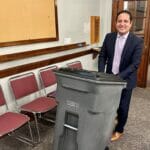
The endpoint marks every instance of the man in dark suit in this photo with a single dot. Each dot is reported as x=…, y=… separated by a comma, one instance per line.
x=121, y=55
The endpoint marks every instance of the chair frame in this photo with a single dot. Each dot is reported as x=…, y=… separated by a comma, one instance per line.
x=75, y=65
x=12, y=131
x=47, y=83
x=51, y=104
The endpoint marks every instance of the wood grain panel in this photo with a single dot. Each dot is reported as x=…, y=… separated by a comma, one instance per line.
x=35, y=65
x=27, y=54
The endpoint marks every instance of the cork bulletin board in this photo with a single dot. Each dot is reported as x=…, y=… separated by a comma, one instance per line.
x=27, y=21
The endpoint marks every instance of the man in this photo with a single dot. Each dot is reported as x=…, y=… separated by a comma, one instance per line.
x=121, y=55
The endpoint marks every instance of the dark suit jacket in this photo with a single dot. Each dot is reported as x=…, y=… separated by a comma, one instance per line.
x=130, y=58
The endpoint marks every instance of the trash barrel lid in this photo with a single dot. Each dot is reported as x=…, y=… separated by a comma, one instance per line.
x=93, y=75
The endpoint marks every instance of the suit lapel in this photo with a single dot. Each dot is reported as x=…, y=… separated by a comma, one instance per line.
x=126, y=47
x=113, y=42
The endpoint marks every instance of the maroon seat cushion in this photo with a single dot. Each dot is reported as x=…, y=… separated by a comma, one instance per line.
x=11, y=121
x=48, y=77
x=24, y=86
x=75, y=65
x=39, y=105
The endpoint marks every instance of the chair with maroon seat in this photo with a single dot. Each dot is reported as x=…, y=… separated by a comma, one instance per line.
x=48, y=79
x=26, y=85
x=75, y=65
x=12, y=121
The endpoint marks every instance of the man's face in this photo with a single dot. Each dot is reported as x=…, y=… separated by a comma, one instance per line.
x=123, y=23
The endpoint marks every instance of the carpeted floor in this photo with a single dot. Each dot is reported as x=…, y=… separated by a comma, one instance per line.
x=137, y=130
x=136, y=135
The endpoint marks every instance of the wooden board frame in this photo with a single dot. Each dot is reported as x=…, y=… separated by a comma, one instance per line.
x=95, y=29
x=25, y=22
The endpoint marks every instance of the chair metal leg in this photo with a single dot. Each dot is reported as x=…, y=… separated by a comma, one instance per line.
x=31, y=135
x=22, y=138
x=37, y=127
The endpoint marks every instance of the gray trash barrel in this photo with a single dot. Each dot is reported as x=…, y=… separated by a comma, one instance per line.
x=87, y=107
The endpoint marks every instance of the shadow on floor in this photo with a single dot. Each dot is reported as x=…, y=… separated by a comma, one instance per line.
x=46, y=130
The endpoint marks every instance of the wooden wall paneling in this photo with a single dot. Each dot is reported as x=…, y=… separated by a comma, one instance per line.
x=27, y=54
x=35, y=65
x=117, y=5
x=143, y=69
x=95, y=29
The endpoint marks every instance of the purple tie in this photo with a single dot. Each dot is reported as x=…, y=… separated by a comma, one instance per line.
x=120, y=41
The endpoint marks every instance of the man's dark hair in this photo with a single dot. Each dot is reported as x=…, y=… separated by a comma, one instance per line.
x=124, y=11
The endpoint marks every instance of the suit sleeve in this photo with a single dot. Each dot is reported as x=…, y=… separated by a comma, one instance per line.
x=102, y=57
x=136, y=58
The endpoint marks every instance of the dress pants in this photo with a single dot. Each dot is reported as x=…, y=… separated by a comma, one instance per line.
x=123, y=109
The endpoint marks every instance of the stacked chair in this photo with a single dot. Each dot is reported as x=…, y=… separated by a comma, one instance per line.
x=25, y=85
x=48, y=79
x=11, y=121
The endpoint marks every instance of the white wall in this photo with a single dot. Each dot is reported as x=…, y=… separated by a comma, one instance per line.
x=74, y=27
x=105, y=14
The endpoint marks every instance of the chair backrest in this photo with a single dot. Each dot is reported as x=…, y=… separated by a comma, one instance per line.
x=23, y=85
x=2, y=98
x=47, y=76
x=75, y=65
